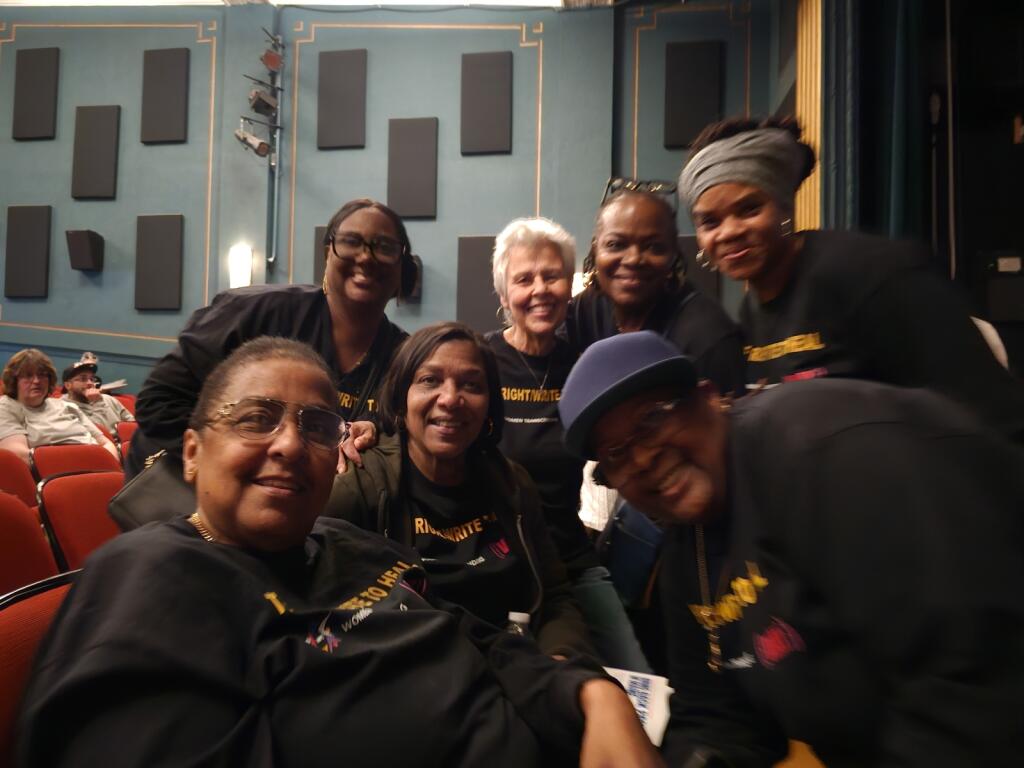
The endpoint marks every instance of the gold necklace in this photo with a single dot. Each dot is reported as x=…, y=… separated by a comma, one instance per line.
x=707, y=614
x=197, y=522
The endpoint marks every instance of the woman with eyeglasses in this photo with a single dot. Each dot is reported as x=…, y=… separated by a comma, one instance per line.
x=368, y=261
x=437, y=482
x=29, y=417
x=635, y=281
x=246, y=632
x=825, y=303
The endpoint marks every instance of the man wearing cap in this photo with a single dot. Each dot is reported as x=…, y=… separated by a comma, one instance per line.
x=81, y=388
x=856, y=579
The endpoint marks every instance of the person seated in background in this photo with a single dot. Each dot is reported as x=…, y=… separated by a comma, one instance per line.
x=437, y=482
x=29, y=417
x=854, y=572
x=532, y=269
x=246, y=632
x=82, y=388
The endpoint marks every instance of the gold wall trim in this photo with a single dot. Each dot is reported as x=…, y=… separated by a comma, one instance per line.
x=740, y=17
x=211, y=40
x=87, y=331
x=524, y=42
x=808, y=107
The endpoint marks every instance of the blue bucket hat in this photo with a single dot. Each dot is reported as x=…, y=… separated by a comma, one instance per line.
x=613, y=370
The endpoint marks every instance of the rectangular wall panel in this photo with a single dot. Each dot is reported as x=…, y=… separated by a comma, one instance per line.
x=319, y=260
x=476, y=304
x=27, y=271
x=693, y=89
x=36, y=72
x=704, y=280
x=412, y=167
x=94, y=168
x=486, y=103
x=341, y=100
x=158, y=260
x=165, y=96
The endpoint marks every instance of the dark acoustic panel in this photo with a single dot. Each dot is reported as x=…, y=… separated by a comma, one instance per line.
x=27, y=272
x=412, y=167
x=319, y=255
x=693, y=89
x=164, y=96
x=704, y=280
x=94, y=168
x=486, y=103
x=85, y=249
x=36, y=71
x=476, y=304
x=341, y=100
x=158, y=259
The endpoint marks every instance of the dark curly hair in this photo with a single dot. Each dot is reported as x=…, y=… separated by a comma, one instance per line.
x=678, y=266
x=734, y=126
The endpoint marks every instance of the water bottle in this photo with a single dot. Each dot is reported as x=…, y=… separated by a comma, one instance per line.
x=518, y=623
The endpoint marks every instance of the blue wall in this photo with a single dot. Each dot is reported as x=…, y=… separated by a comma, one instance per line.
x=572, y=96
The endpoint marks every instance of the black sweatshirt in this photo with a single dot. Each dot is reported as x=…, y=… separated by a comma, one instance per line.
x=171, y=650
x=869, y=576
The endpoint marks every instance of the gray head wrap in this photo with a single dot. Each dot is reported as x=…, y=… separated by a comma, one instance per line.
x=767, y=158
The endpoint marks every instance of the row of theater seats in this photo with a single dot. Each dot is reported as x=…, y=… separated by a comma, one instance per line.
x=52, y=515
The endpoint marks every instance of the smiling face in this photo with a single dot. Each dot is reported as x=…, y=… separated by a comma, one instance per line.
x=33, y=387
x=263, y=494
x=634, y=251
x=676, y=469
x=363, y=280
x=739, y=227
x=446, y=407
x=538, y=289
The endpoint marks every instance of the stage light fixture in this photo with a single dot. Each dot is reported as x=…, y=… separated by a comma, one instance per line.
x=255, y=143
x=262, y=103
x=272, y=60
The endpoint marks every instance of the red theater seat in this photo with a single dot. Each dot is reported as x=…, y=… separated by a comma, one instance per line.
x=25, y=554
x=48, y=460
x=73, y=508
x=16, y=478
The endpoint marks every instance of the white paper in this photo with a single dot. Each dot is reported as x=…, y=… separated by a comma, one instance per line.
x=650, y=695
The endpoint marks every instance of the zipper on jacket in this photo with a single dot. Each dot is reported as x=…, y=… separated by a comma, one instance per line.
x=533, y=568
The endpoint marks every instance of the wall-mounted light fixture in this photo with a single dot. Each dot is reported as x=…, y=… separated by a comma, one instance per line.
x=253, y=142
x=240, y=265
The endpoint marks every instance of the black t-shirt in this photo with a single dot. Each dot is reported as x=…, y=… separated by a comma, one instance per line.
x=866, y=307
x=694, y=323
x=531, y=387
x=465, y=550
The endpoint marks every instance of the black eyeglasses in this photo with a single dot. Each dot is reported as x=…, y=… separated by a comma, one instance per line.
x=648, y=426
x=664, y=189
x=348, y=245
x=260, y=418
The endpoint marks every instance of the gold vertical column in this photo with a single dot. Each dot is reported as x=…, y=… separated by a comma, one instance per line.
x=808, y=106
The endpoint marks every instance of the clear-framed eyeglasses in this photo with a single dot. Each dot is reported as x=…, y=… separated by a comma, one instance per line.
x=612, y=459
x=260, y=418
x=348, y=245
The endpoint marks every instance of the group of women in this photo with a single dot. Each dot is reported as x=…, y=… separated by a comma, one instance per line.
x=279, y=621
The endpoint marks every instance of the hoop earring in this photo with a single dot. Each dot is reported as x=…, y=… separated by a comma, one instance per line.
x=786, y=227
x=323, y=283
x=490, y=426
x=704, y=262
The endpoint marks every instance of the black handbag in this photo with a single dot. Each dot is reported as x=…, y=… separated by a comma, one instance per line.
x=158, y=493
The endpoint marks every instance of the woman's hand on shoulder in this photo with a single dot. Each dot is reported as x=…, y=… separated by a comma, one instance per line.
x=359, y=436
x=612, y=735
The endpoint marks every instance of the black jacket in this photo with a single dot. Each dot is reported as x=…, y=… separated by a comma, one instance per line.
x=373, y=497
x=174, y=651
x=869, y=571
x=212, y=333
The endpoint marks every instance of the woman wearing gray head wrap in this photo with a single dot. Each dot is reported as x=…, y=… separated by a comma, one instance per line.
x=825, y=303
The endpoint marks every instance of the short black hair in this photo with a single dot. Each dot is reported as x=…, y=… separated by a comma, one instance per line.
x=394, y=390
x=258, y=350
